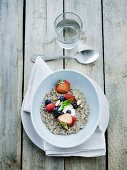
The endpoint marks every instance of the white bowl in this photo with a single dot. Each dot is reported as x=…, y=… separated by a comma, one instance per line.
x=77, y=81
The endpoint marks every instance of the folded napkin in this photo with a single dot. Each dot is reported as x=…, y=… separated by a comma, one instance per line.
x=94, y=146
x=40, y=70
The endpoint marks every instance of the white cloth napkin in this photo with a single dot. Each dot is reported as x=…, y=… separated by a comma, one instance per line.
x=40, y=70
x=94, y=146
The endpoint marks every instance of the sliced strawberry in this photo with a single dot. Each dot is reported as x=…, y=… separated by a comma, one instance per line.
x=69, y=96
x=50, y=107
x=66, y=118
x=62, y=86
x=73, y=119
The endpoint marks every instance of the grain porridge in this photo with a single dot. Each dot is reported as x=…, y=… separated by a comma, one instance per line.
x=65, y=111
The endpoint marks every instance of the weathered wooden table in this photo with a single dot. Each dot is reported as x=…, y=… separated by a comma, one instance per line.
x=26, y=28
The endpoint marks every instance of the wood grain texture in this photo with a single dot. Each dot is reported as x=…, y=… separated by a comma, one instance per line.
x=11, y=40
x=90, y=14
x=115, y=37
x=40, y=39
x=76, y=163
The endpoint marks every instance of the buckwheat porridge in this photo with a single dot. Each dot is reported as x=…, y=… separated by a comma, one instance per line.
x=64, y=110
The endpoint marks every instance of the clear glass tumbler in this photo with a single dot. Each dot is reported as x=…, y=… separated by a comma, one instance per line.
x=68, y=27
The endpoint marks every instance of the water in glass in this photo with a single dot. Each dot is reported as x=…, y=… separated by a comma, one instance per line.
x=68, y=31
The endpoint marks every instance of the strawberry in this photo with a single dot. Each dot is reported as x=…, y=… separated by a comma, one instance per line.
x=69, y=96
x=50, y=107
x=67, y=118
x=63, y=86
x=73, y=119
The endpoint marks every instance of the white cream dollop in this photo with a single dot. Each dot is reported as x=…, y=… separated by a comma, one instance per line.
x=69, y=107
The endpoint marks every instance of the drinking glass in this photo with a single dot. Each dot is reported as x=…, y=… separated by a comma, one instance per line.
x=68, y=27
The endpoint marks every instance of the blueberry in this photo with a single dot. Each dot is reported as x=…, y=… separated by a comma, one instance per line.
x=47, y=102
x=62, y=98
x=60, y=112
x=55, y=110
x=68, y=111
x=74, y=104
x=55, y=114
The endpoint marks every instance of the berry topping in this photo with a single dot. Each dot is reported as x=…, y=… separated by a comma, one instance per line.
x=63, y=106
x=68, y=111
x=55, y=109
x=60, y=112
x=47, y=102
x=67, y=118
x=50, y=107
x=69, y=96
x=62, y=86
x=62, y=98
x=73, y=119
x=74, y=104
x=55, y=114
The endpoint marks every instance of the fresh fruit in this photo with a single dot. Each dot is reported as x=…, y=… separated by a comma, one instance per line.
x=62, y=98
x=60, y=112
x=73, y=119
x=47, y=102
x=57, y=113
x=67, y=118
x=55, y=109
x=62, y=86
x=68, y=111
x=74, y=104
x=69, y=96
x=50, y=107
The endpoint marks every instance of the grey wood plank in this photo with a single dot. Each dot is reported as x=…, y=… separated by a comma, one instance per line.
x=90, y=14
x=115, y=33
x=75, y=163
x=40, y=39
x=11, y=60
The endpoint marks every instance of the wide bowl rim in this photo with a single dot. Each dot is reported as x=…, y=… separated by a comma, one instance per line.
x=96, y=124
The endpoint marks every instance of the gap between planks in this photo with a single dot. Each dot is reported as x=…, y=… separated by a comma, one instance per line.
x=106, y=134
x=24, y=16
